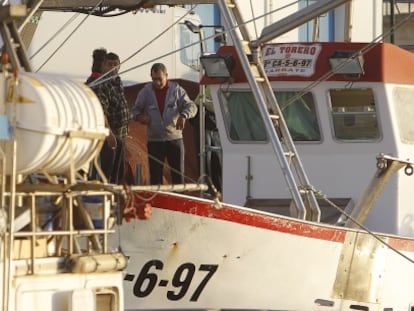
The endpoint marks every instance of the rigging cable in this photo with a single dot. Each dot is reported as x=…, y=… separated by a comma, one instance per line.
x=67, y=38
x=254, y=24
x=362, y=51
x=211, y=36
x=374, y=235
x=73, y=17
x=104, y=77
x=160, y=34
x=141, y=147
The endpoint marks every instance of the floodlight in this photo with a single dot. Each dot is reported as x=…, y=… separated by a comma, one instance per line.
x=347, y=62
x=218, y=65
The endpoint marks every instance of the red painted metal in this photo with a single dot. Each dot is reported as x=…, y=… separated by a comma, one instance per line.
x=258, y=219
x=243, y=216
x=383, y=62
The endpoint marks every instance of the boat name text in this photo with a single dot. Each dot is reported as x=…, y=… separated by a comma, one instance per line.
x=290, y=59
x=309, y=50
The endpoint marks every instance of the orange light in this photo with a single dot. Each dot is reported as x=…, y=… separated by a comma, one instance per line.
x=4, y=58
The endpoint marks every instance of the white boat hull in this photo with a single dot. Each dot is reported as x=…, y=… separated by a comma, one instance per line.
x=194, y=254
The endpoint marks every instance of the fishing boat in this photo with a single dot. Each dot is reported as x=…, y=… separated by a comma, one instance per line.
x=54, y=251
x=336, y=236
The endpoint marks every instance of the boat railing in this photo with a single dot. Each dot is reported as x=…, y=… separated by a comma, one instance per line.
x=75, y=218
x=61, y=218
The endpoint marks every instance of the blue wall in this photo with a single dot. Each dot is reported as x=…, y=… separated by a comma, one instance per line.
x=210, y=16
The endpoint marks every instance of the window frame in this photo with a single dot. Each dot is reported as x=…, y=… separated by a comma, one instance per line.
x=227, y=120
x=356, y=113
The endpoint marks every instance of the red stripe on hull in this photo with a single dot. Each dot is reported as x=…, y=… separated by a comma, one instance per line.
x=246, y=217
x=251, y=218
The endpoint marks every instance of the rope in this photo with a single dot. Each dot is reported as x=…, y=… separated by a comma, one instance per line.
x=186, y=177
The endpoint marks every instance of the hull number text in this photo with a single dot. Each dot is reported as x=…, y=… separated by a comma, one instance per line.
x=147, y=280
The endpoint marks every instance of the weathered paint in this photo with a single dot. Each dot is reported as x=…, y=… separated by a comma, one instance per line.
x=254, y=218
x=255, y=250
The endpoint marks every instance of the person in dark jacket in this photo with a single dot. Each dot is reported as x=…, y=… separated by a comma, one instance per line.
x=110, y=92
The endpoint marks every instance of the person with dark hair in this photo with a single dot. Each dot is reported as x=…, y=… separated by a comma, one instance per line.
x=164, y=107
x=98, y=57
x=111, y=95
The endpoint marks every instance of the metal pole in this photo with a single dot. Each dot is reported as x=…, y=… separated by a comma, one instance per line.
x=202, y=112
x=296, y=19
x=392, y=21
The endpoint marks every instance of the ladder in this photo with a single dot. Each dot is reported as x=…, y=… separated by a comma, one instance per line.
x=303, y=198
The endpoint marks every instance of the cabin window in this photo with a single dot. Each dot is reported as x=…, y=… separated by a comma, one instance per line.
x=244, y=122
x=403, y=99
x=354, y=114
x=300, y=115
x=242, y=117
x=189, y=47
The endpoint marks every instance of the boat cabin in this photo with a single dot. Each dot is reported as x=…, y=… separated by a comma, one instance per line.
x=344, y=104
